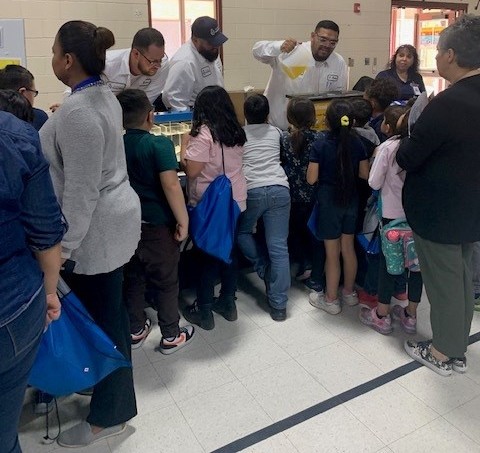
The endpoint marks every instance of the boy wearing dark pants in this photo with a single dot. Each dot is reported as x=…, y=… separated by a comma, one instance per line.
x=152, y=169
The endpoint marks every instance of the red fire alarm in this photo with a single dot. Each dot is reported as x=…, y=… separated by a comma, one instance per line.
x=356, y=7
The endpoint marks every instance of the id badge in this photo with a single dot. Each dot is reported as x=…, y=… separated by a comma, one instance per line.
x=416, y=90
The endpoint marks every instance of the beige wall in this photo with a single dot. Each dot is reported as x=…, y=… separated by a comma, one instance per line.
x=244, y=22
x=44, y=17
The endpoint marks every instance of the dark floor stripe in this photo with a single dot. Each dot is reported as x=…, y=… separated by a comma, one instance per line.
x=324, y=406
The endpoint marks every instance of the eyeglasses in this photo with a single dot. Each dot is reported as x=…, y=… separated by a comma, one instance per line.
x=157, y=63
x=35, y=92
x=324, y=40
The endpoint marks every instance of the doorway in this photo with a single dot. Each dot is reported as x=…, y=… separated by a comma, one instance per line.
x=421, y=28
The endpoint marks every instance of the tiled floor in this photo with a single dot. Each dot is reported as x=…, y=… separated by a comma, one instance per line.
x=244, y=376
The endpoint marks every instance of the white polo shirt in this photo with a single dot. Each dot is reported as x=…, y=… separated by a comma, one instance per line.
x=188, y=73
x=328, y=75
x=118, y=77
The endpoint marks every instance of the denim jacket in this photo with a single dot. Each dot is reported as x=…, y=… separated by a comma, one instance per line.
x=30, y=217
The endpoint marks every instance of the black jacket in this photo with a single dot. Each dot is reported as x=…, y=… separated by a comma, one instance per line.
x=441, y=195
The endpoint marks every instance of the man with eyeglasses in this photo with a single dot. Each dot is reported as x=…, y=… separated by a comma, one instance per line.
x=195, y=65
x=327, y=72
x=143, y=66
x=17, y=78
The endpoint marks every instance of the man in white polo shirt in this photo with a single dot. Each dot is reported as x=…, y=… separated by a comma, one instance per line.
x=195, y=65
x=328, y=72
x=142, y=67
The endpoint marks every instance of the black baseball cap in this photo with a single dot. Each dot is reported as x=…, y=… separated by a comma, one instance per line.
x=207, y=28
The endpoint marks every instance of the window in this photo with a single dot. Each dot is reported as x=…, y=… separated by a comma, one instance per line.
x=174, y=19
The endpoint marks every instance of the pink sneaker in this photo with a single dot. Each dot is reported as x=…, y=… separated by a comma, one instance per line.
x=369, y=317
x=408, y=323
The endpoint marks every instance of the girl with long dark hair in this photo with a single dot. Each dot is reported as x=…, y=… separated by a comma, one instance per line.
x=216, y=142
x=335, y=161
x=294, y=154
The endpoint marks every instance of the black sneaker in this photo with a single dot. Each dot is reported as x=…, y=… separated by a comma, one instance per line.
x=313, y=285
x=180, y=341
x=139, y=337
x=192, y=314
x=201, y=316
x=225, y=306
x=278, y=314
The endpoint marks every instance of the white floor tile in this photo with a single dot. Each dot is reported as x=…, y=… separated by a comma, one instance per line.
x=338, y=367
x=245, y=375
x=335, y=431
x=150, y=391
x=344, y=325
x=438, y=392
x=250, y=353
x=300, y=335
x=275, y=444
x=98, y=447
x=437, y=436
x=473, y=362
x=223, y=415
x=467, y=418
x=163, y=431
x=391, y=412
x=384, y=351
x=224, y=330
x=193, y=372
x=139, y=358
x=284, y=389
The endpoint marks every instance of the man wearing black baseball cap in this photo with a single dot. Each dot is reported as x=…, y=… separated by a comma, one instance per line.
x=195, y=65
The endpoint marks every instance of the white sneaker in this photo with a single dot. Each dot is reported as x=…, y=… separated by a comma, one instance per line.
x=349, y=299
x=318, y=300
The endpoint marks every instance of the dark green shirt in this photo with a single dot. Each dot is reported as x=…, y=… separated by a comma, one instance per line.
x=149, y=155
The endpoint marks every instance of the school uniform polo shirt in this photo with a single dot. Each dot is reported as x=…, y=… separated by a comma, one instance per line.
x=147, y=156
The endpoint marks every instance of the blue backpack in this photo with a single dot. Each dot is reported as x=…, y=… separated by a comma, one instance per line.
x=213, y=220
x=74, y=352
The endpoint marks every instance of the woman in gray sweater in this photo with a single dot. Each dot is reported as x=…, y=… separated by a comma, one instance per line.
x=83, y=142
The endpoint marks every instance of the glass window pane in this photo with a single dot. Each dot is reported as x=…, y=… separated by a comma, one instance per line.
x=194, y=9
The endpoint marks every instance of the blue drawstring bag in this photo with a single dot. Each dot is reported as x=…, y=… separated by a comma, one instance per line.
x=214, y=219
x=74, y=352
x=369, y=237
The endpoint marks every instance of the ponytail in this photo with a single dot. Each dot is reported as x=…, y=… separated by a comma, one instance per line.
x=345, y=177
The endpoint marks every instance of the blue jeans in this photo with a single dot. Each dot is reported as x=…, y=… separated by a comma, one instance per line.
x=272, y=205
x=19, y=341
